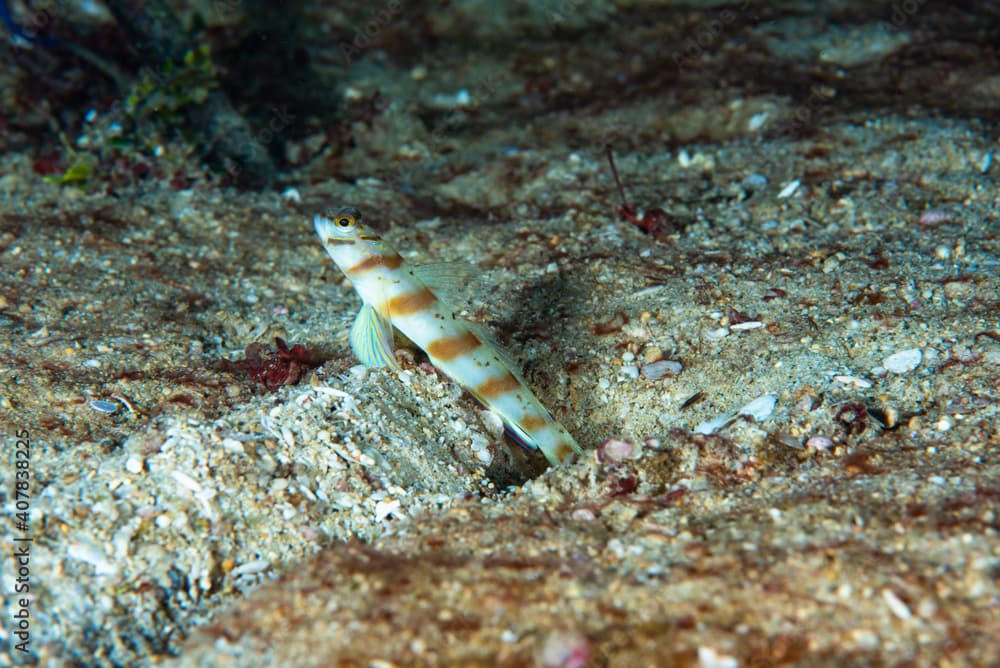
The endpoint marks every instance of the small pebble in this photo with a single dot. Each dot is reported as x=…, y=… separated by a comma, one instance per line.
x=805, y=403
x=865, y=639
x=133, y=465
x=493, y=423
x=615, y=451
x=565, y=649
x=943, y=424
x=232, y=445
x=985, y=162
x=754, y=181
x=711, y=658
x=903, y=361
x=934, y=217
x=890, y=417
x=819, y=443
x=757, y=121
x=484, y=455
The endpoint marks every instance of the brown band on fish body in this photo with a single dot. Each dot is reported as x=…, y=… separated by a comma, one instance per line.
x=563, y=450
x=392, y=261
x=410, y=303
x=494, y=387
x=453, y=347
x=530, y=423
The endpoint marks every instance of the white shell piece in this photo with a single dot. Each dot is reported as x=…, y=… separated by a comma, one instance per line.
x=660, y=369
x=789, y=189
x=760, y=408
x=903, y=361
x=92, y=555
x=714, y=425
x=853, y=380
x=896, y=605
x=388, y=507
x=251, y=568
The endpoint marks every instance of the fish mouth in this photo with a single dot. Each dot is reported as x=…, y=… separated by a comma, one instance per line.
x=323, y=226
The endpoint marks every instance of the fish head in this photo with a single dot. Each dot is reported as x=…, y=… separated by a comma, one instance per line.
x=342, y=224
x=345, y=235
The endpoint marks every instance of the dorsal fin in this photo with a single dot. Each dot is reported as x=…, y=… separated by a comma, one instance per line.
x=454, y=283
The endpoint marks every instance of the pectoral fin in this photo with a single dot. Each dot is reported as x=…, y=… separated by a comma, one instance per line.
x=371, y=338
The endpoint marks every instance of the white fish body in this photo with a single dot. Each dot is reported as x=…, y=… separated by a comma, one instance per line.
x=394, y=296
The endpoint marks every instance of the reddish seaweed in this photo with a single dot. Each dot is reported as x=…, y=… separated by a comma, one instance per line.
x=275, y=367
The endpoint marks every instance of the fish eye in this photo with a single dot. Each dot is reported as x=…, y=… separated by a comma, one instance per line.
x=345, y=221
